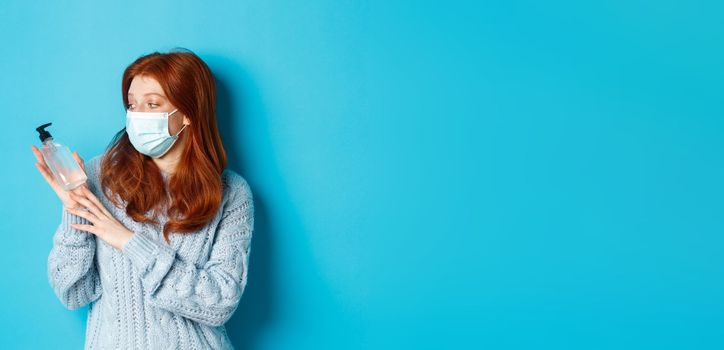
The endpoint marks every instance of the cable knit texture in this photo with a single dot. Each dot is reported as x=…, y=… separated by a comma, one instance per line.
x=155, y=295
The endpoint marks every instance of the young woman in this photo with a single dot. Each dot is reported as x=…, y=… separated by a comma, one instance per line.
x=157, y=241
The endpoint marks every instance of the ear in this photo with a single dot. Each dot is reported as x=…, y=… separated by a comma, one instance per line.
x=186, y=121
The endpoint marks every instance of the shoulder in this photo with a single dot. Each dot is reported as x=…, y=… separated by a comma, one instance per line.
x=94, y=163
x=93, y=169
x=236, y=189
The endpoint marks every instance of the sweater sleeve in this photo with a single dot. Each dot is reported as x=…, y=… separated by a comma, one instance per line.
x=72, y=271
x=211, y=293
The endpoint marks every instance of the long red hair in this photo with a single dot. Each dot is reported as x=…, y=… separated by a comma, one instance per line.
x=194, y=191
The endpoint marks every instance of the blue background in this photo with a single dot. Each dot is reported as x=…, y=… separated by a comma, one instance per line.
x=498, y=174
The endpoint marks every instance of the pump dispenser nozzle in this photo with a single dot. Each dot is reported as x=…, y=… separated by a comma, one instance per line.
x=43, y=133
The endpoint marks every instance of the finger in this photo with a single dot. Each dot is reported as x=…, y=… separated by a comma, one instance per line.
x=47, y=175
x=38, y=155
x=79, y=160
x=43, y=167
x=86, y=203
x=84, y=214
x=88, y=228
x=40, y=159
x=95, y=200
x=44, y=171
x=77, y=206
x=79, y=190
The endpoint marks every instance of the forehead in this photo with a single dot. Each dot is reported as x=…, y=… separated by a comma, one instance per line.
x=144, y=85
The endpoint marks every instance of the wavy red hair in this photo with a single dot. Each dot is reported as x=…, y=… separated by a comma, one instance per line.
x=195, y=191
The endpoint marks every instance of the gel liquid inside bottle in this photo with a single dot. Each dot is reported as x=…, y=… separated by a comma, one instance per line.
x=64, y=167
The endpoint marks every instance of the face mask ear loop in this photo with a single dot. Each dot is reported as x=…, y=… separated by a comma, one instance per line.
x=174, y=111
x=182, y=129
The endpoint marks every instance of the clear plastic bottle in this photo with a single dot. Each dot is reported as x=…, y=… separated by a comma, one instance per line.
x=60, y=161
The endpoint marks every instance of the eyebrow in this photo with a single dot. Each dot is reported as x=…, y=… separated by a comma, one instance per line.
x=150, y=93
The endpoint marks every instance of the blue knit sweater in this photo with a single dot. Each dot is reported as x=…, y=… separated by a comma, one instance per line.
x=152, y=295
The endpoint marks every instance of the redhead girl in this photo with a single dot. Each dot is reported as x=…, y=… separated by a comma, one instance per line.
x=157, y=241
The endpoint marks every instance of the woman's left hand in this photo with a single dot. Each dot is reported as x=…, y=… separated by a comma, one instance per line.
x=104, y=225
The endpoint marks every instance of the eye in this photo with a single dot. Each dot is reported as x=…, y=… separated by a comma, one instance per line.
x=130, y=106
x=152, y=105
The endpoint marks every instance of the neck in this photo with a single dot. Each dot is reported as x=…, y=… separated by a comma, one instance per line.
x=165, y=164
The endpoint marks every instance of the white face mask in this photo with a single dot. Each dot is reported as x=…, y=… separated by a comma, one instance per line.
x=148, y=132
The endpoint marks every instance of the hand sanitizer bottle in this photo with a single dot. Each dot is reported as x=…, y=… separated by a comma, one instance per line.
x=64, y=167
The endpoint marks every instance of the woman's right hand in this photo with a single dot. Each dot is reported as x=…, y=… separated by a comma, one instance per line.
x=50, y=179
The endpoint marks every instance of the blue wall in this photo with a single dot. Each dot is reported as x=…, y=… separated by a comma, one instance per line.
x=502, y=175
